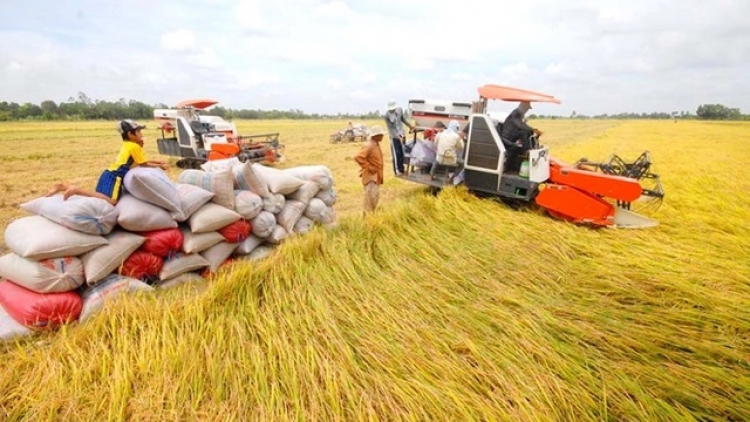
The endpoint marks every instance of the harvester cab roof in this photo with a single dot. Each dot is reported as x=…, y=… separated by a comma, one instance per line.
x=596, y=194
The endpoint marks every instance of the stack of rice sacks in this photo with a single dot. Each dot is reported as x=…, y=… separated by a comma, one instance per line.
x=71, y=256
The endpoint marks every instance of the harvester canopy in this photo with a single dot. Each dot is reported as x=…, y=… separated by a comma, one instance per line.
x=200, y=104
x=506, y=93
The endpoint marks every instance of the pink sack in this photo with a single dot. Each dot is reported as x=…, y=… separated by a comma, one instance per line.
x=39, y=310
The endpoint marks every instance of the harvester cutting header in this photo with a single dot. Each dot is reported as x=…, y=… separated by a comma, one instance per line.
x=197, y=137
x=599, y=194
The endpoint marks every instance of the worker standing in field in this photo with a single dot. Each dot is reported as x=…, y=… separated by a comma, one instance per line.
x=131, y=155
x=370, y=160
x=394, y=118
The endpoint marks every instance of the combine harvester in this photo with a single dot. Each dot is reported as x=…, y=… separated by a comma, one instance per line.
x=598, y=194
x=198, y=138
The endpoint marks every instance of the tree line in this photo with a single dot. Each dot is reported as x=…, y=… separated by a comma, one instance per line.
x=82, y=107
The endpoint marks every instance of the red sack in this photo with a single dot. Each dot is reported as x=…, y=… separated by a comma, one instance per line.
x=163, y=243
x=39, y=310
x=142, y=265
x=236, y=232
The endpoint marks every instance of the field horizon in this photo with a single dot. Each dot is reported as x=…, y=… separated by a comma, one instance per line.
x=436, y=307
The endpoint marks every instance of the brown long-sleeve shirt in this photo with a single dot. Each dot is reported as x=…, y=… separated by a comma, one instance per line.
x=370, y=160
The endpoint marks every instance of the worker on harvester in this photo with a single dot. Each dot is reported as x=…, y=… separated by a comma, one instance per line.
x=517, y=134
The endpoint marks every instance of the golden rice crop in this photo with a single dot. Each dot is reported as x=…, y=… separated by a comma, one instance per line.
x=445, y=307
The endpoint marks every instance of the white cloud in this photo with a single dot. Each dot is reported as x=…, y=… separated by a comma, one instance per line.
x=337, y=55
x=180, y=40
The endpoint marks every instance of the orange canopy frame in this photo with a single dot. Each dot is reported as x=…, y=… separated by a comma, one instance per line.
x=200, y=104
x=506, y=93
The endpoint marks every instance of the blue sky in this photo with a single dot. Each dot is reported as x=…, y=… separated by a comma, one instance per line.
x=603, y=56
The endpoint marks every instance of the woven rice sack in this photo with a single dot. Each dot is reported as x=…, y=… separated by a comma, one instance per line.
x=305, y=193
x=53, y=275
x=274, y=203
x=79, y=213
x=328, y=197
x=263, y=224
x=218, y=165
x=104, y=260
x=315, y=209
x=278, y=235
x=290, y=214
x=152, y=185
x=319, y=174
x=246, y=178
x=38, y=238
x=39, y=310
x=185, y=278
x=249, y=244
x=247, y=204
x=139, y=216
x=197, y=242
x=217, y=254
x=304, y=225
x=11, y=329
x=220, y=183
x=211, y=217
x=278, y=181
x=181, y=264
x=191, y=199
x=96, y=296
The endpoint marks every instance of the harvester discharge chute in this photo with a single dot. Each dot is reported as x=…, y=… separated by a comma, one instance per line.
x=591, y=193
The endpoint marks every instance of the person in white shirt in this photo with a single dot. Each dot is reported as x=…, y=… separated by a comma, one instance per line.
x=449, y=143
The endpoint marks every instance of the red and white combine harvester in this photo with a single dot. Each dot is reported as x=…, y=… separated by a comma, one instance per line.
x=198, y=138
x=600, y=194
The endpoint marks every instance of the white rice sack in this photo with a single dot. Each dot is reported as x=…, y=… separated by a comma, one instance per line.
x=54, y=275
x=315, y=209
x=140, y=216
x=185, y=278
x=247, y=204
x=278, y=181
x=198, y=242
x=223, y=164
x=152, y=185
x=191, y=199
x=260, y=252
x=303, y=226
x=104, y=260
x=263, y=224
x=37, y=238
x=328, y=197
x=290, y=214
x=219, y=182
x=319, y=174
x=211, y=217
x=305, y=193
x=95, y=297
x=10, y=328
x=274, y=203
x=328, y=216
x=245, y=178
x=79, y=213
x=217, y=254
x=248, y=245
x=181, y=264
x=278, y=235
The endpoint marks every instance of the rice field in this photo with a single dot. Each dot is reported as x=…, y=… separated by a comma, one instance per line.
x=435, y=308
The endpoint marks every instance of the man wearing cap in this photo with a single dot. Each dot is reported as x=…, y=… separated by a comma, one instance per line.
x=393, y=119
x=518, y=132
x=370, y=160
x=131, y=155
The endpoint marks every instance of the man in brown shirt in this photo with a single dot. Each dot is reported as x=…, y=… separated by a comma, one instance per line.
x=370, y=160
